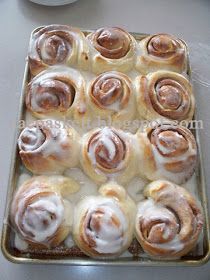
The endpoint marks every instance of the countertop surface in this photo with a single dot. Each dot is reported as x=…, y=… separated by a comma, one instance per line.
x=187, y=19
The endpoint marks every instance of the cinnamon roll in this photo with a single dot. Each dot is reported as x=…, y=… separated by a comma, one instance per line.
x=40, y=214
x=108, y=153
x=111, y=49
x=111, y=96
x=161, y=51
x=58, y=92
x=167, y=151
x=169, y=221
x=48, y=147
x=57, y=44
x=103, y=225
x=164, y=95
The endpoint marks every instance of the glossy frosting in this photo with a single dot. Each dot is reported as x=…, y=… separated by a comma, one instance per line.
x=107, y=149
x=169, y=222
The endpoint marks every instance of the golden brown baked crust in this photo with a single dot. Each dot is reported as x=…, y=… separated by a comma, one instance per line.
x=161, y=51
x=169, y=221
x=111, y=96
x=57, y=44
x=164, y=95
x=47, y=147
x=111, y=49
x=167, y=151
x=104, y=224
x=40, y=214
x=57, y=92
x=108, y=153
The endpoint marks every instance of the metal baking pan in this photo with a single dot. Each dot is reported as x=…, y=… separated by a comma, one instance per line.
x=61, y=255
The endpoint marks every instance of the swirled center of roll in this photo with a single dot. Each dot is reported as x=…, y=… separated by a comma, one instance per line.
x=51, y=94
x=54, y=47
x=107, y=149
x=112, y=43
x=170, y=142
x=170, y=98
x=107, y=91
x=157, y=224
x=31, y=139
x=106, y=228
x=41, y=215
x=163, y=45
x=169, y=94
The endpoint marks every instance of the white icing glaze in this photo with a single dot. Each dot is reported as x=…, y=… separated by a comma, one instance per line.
x=135, y=188
x=127, y=61
x=110, y=238
x=161, y=160
x=88, y=187
x=22, y=178
x=47, y=78
x=48, y=140
x=106, y=134
x=62, y=71
x=123, y=86
x=73, y=49
x=69, y=242
x=20, y=244
x=174, y=245
x=45, y=82
x=38, y=216
x=105, y=139
x=150, y=210
x=68, y=214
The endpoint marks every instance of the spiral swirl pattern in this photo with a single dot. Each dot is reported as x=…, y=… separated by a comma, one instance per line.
x=162, y=51
x=54, y=47
x=165, y=95
x=57, y=44
x=169, y=222
x=104, y=226
x=47, y=95
x=38, y=212
x=176, y=144
x=107, y=150
x=46, y=146
x=163, y=45
x=113, y=43
x=111, y=90
x=168, y=151
x=58, y=91
x=171, y=96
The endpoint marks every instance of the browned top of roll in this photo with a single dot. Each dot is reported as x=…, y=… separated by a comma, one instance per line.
x=164, y=46
x=48, y=94
x=53, y=43
x=111, y=88
x=177, y=144
x=111, y=42
x=170, y=98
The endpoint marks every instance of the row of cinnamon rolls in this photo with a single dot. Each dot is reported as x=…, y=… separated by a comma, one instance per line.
x=167, y=223
x=104, y=49
x=164, y=150
x=63, y=92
